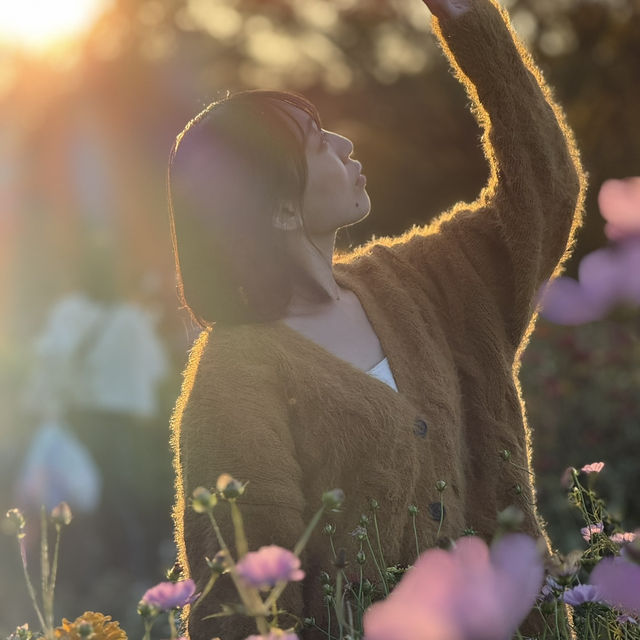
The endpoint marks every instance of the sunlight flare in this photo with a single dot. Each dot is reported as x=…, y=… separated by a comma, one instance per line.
x=39, y=24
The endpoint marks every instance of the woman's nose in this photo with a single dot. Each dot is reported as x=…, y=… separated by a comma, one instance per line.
x=345, y=146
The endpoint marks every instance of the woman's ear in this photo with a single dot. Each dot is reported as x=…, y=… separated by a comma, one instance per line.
x=287, y=218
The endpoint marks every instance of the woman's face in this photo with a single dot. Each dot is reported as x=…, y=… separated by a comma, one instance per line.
x=335, y=194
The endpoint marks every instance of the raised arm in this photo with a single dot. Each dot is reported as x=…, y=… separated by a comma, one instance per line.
x=228, y=420
x=498, y=250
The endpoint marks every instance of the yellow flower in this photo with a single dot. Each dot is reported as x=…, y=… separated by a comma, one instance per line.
x=92, y=626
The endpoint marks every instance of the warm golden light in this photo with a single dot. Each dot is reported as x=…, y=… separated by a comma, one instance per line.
x=40, y=24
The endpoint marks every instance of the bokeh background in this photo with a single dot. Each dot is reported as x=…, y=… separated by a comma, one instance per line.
x=92, y=95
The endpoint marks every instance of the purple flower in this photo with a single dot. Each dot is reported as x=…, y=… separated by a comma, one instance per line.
x=169, y=595
x=622, y=619
x=468, y=592
x=581, y=594
x=621, y=538
x=594, y=467
x=269, y=565
x=275, y=634
x=564, y=301
x=618, y=582
x=588, y=531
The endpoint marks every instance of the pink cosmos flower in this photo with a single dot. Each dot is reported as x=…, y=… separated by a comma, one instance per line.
x=591, y=529
x=169, y=595
x=619, y=202
x=594, y=467
x=269, y=565
x=468, y=593
x=581, y=594
x=609, y=276
x=618, y=582
x=622, y=538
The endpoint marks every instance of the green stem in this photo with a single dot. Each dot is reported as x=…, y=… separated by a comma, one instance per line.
x=172, y=624
x=54, y=568
x=238, y=526
x=375, y=523
x=249, y=595
x=517, y=466
x=339, y=604
x=147, y=629
x=382, y=576
x=415, y=534
x=335, y=556
x=32, y=591
x=441, y=515
x=205, y=591
x=297, y=550
x=47, y=600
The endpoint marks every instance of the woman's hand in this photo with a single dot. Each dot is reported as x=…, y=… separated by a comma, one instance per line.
x=448, y=8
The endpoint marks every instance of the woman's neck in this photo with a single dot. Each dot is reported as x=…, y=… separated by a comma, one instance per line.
x=315, y=266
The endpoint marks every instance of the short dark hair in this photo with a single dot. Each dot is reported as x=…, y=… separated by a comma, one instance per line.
x=229, y=170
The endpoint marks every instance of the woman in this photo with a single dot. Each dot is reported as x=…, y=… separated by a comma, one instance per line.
x=277, y=393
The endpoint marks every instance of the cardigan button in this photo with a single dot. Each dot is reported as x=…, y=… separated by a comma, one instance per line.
x=420, y=428
x=437, y=511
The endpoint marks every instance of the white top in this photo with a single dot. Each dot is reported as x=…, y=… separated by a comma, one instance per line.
x=382, y=372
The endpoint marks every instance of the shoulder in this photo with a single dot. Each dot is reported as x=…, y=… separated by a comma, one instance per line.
x=226, y=359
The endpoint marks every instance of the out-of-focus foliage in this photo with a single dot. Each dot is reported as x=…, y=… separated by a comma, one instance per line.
x=581, y=386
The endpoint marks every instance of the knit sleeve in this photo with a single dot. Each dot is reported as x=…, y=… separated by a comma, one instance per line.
x=497, y=251
x=230, y=419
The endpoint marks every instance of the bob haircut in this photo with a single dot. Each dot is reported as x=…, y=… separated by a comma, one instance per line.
x=230, y=169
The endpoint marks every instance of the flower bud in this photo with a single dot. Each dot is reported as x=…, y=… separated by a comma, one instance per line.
x=441, y=485
x=228, y=487
x=361, y=558
x=329, y=529
x=15, y=522
x=61, y=514
x=21, y=633
x=332, y=500
x=309, y=622
x=413, y=510
x=510, y=518
x=146, y=610
x=364, y=519
x=175, y=573
x=359, y=533
x=202, y=500
x=84, y=628
x=325, y=578
x=505, y=454
x=219, y=562
x=469, y=531
x=517, y=489
x=367, y=587
x=373, y=504
x=568, y=477
x=341, y=561
x=445, y=543
x=327, y=589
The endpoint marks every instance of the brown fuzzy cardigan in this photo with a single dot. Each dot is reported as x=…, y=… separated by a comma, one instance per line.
x=453, y=304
